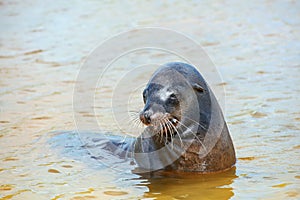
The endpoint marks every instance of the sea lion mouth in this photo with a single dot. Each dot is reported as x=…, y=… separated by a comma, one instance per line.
x=163, y=124
x=166, y=126
x=165, y=121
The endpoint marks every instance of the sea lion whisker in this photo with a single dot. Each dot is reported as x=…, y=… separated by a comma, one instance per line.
x=172, y=126
x=134, y=119
x=161, y=132
x=137, y=122
x=129, y=118
x=133, y=115
x=195, y=136
x=171, y=131
x=181, y=142
x=176, y=129
x=168, y=126
x=134, y=122
x=165, y=131
x=130, y=121
x=198, y=123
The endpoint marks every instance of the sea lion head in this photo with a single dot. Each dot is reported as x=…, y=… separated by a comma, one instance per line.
x=172, y=97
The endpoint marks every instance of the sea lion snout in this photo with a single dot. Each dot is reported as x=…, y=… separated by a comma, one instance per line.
x=151, y=114
x=145, y=117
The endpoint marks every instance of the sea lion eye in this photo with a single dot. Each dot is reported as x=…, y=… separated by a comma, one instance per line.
x=172, y=96
x=172, y=99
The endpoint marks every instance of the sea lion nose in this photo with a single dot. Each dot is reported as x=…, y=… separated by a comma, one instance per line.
x=145, y=117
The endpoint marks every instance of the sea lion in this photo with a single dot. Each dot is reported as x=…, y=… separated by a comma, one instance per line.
x=186, y=130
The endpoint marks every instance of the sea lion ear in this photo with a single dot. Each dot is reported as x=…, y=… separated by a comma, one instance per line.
x=198, y=88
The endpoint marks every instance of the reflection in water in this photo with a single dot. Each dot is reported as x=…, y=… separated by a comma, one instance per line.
x=189, y=185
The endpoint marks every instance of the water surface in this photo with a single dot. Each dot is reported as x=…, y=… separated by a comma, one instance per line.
x=254, y=45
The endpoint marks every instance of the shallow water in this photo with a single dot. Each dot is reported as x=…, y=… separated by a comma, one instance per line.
x=254, y=45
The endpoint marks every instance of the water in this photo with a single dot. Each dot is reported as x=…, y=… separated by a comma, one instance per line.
x=255, y=46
